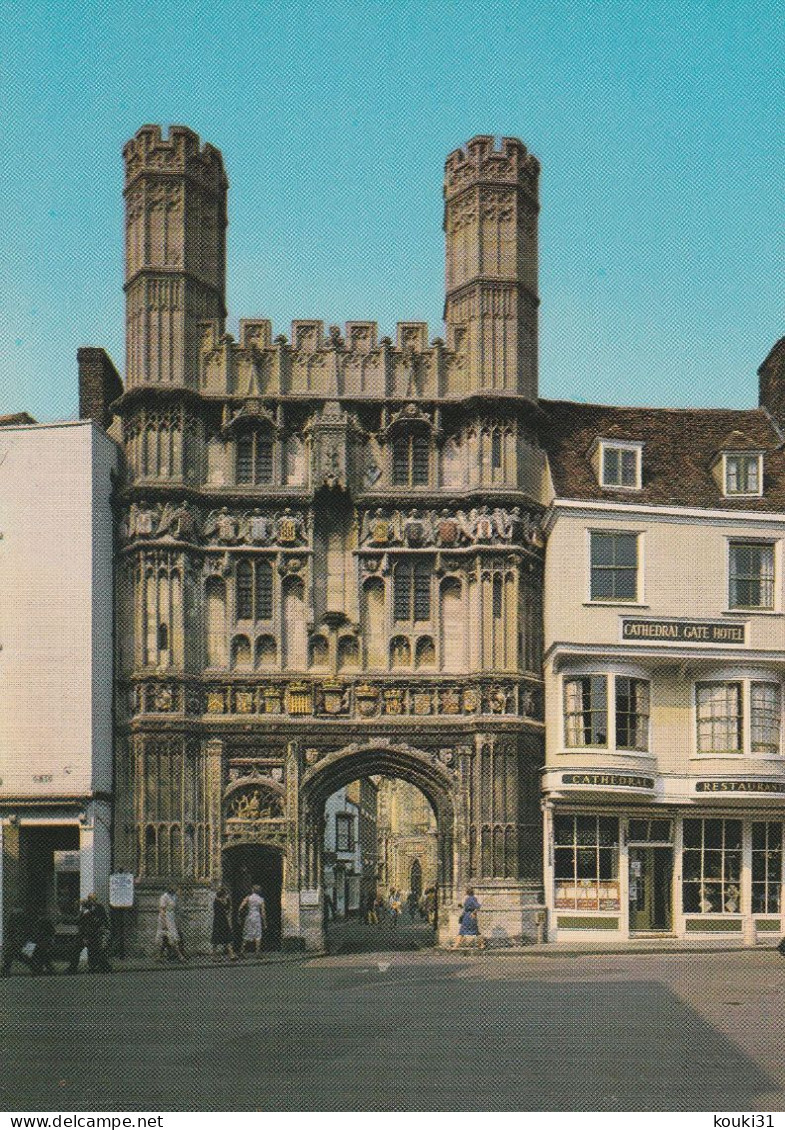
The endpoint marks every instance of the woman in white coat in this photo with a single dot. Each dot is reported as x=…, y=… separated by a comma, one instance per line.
x=255, y=921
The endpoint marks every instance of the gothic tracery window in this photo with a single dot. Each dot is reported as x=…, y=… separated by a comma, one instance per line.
x=411, y=460
x=254, y=458
x=254, y=590
x=412, y=590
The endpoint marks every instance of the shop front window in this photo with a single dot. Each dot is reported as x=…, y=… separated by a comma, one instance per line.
x=711, y=867
x=766, y=867
x=586, y=862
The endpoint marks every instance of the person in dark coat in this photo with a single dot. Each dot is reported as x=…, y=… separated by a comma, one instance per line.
x=44, y=938
x=468, y=927
x=221, y=935
x=93, y=927
x=15, y=937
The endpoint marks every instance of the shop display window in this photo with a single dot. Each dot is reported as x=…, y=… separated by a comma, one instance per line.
x=766, y=867
x=586, y=863
x=711, y=867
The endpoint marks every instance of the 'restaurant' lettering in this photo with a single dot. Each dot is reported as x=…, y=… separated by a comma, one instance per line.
x=738, y=787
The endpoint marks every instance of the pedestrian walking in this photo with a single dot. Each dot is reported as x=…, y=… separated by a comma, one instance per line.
x=430, y=905
x=16, y=936
x=221, y=935
x=93, y=932
x=44, y=938
x=411, y=904
x=255, y=922
x=394, y=906
x=167, y=936
x=468, y=926
x=371, y=915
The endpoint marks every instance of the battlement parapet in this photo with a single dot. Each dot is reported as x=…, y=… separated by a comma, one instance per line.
x=481, y=160
x=181, y=153
x=345, y=361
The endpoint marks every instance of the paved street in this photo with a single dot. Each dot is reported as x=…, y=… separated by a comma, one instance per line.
x=433, y=1031
x=350, y=935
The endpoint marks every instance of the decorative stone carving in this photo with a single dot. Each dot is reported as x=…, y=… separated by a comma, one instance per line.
x=216, y=701
x=381, y=528
x=223, y=525
x=254, y=804
x=497, y=700
x=258, y=528
x=423, y=702
x=394, y=701
x=450, y=701
x=366, y=700
x=164, y=698
x=417, y=528
x=285, y=527
x=290, y=528
x=299, y=698
x=471, y=700
x=335, y=699
x=244, y=701
x=270, y=700
x=480, y=526
x=372, y=473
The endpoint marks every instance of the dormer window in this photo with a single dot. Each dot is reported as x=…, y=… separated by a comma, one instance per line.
x=743, y=474
x=619, y=464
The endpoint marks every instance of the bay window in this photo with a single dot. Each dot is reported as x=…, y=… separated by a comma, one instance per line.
x=590, y=701
x=738, y=717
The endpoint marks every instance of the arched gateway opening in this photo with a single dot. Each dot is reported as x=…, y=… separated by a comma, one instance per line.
x=432, y=775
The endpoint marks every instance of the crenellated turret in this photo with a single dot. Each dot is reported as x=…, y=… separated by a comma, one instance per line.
x=490, y=225
x=175, y=275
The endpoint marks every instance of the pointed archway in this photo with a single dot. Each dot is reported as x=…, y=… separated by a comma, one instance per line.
x=433, y=775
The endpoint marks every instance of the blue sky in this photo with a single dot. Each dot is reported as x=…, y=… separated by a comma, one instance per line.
x=659, y=127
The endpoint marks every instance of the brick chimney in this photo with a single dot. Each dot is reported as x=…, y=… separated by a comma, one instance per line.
x=771, y=382
x=99, y=384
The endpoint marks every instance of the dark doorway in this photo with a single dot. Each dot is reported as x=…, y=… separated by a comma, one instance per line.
x=49, y=857
x=651, y=875
x=254, y=865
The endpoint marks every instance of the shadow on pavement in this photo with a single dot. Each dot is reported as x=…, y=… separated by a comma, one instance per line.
x=432, y=1037
x=352, y=936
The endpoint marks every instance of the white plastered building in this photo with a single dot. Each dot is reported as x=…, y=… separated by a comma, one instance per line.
x=56, y=681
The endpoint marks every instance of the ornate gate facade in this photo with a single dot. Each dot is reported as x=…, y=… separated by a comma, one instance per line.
x=330, y=556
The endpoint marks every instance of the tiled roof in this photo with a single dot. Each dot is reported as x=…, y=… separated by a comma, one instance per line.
x=680, y=447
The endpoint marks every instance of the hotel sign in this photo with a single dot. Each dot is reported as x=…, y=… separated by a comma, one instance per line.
x=683, y=631
x=608, y=780
x=739, y=786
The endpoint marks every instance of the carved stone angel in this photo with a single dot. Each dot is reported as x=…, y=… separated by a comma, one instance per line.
x=175, y=521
